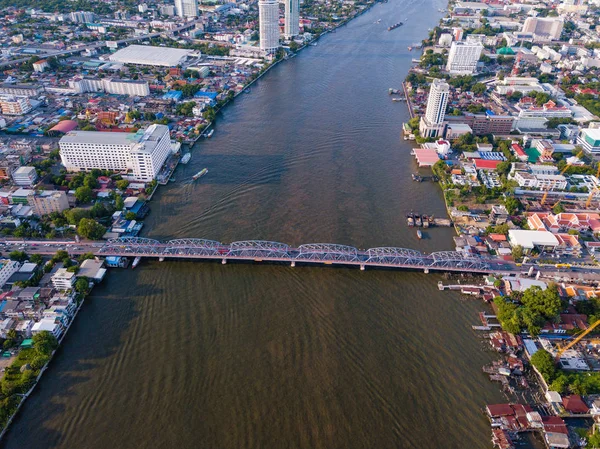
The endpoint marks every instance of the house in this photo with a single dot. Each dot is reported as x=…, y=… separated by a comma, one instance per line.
x=574, y=404
x=517, y=284
x=6, y=325
x=49, y=325
x=63, y=279
x=92, y=269
x=24, y=328
x=499, y=214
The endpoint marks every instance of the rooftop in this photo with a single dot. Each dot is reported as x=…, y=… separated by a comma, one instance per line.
x=149, y=55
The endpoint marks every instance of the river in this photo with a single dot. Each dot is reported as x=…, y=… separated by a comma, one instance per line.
x=204, y=355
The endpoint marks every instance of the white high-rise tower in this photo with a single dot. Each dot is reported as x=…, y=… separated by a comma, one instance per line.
x=432, y=125
x=268, y=23
x=186, y=8
x=292, y=18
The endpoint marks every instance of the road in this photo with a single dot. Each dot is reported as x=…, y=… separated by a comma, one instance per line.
x=586, y=274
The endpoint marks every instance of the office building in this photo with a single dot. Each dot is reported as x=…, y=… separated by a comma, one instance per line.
x=7, y=269
x=544, y=29
x=432, y=124
x=63, y=279
x=21, y=90
x=589, y=139
x=463, y=57
x=24, y=176
x=139, y=156
x=186, y=8
x=268, y=18
x=110, y=86
x=10, y=105
x=292, y=18
x=49, y=201
x=81, y=16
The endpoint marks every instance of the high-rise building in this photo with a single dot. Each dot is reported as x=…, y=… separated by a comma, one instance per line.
x=432, y=124
x=140, y=155
x=463, y=57
x=268, y=17
x=49, y=201
x=292, y=18
x=186, y=8
x=10, y=105
x=82, y=16
x=544, y=29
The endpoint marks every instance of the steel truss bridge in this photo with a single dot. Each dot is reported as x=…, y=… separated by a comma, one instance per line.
x=310, y=253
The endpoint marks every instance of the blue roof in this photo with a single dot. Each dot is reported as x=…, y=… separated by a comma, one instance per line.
x=2, y=305
x=489, y=112
x=137, y=206
x=204, y=93
x=172, y=95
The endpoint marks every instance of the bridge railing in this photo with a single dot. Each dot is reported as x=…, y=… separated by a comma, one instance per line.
x=327, y=252
x=259, y=249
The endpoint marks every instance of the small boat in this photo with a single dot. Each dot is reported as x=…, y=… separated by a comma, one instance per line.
x=410, y=221
x=200, y=174
x=171, y=179
x=418, y=221
x=394, y=26
x=136, y=262
x=419, y=234
x=186, y=158
x=209, y=135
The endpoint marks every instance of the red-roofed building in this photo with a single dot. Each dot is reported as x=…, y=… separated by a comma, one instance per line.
x=554, y=424
x=484, y=164
x=519, y=152
x=574, y=404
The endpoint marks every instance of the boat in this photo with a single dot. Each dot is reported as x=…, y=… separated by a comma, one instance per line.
x=394, y=26
x=171, y=179
x=136, y=262
x=410, y=221
x=210, y=133
x=186, y=158
x=425, y=221
x=410, y=48
x=418, y=221
x=419, y=234
x=200, y=174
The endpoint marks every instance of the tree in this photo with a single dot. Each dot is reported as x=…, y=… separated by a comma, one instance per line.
x=60, y=256
x=546, y=303
x=122, y=184
x=544, y=363
x=35, y=258
x=130, y=216
x=512, y=204
x=82, y=285
x=119, y=203
x=558, y=208
x=44, y=343
x=503, y=168
x=83, y=194
x=90, y=229
x=517, y=252
x=479, y=89
x=74, y=216
x=19, y=256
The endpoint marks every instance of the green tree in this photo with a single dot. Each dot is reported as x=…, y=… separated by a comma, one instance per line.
x=545, y=303
x=119, y=203
x=19, y=256
x=36, y=258
x=44, y=343
x=517, y=252
x=122, y=184
x=90, y=229
x=479, y=89
x=83, y=194
x=74, y=216
x=558, y=208
x=544, y=363
x=507, y=315
x=512, y=205
x=503, y=168
x=130, y=216
x=82, y=285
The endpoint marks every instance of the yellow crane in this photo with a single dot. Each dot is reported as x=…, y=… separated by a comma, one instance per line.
x=572, y=343
x=590, y=197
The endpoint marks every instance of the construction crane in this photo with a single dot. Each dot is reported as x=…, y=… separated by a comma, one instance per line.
x=572, y=343
x=590, y=197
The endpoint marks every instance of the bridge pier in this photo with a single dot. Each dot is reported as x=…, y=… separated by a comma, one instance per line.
x=224, y=261
x=362, y=267
x=426, y=270
x=161, y=259
x=293, y=263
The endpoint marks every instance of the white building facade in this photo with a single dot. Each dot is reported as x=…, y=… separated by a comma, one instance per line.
x=268, y=17
x=432, y=124
x=10, y=105
x=544, y=29
x=292, y=18
x=140, y=156
x=186, y=8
